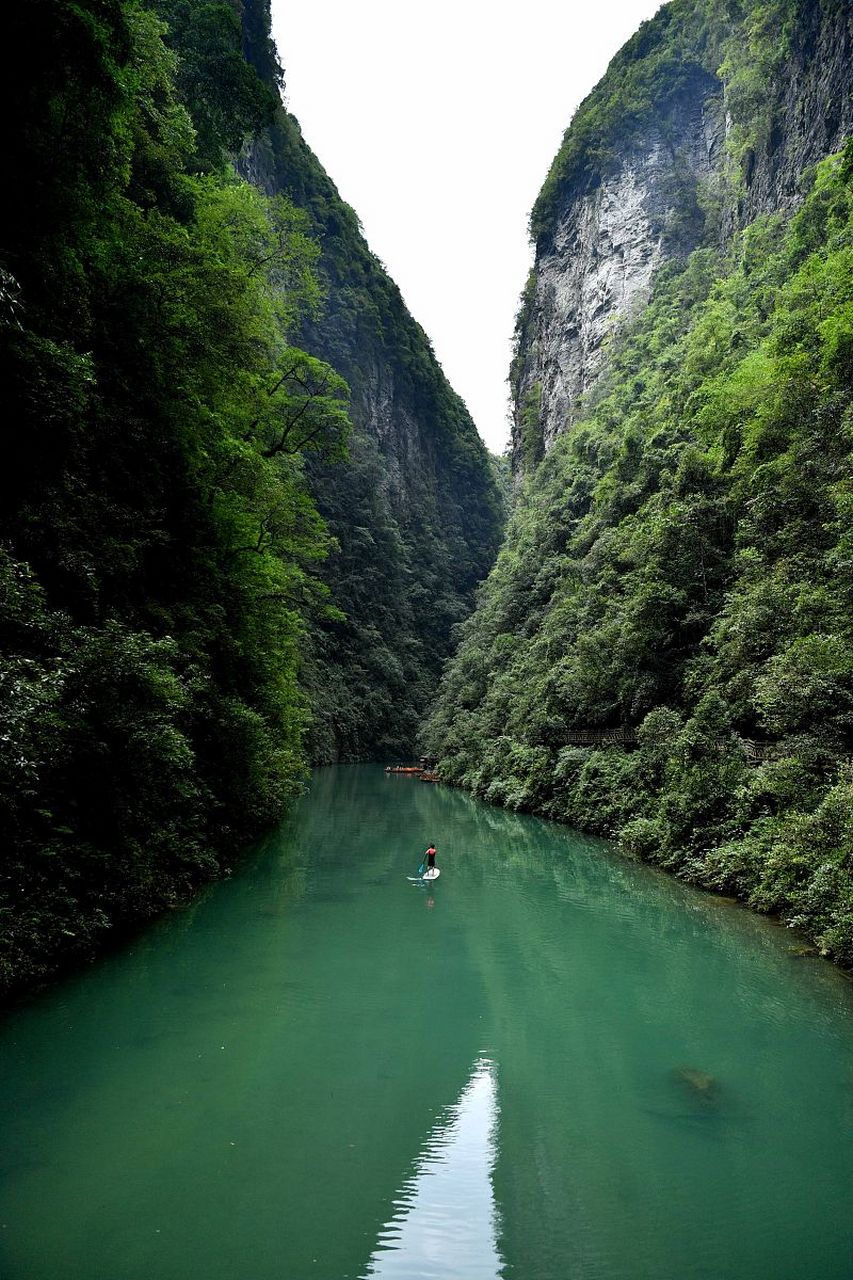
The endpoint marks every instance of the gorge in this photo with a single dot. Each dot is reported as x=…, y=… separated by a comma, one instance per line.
x=253, y=550
x=224, y=414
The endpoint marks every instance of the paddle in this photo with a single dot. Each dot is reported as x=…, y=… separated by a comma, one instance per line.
x=422, y=867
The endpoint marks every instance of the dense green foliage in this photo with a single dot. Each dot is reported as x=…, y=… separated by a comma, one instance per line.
x=680, y=564
x=159, y=544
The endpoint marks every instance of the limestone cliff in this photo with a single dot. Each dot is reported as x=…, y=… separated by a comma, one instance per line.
x=809, y=113
x=613, y=232
x=699, y=126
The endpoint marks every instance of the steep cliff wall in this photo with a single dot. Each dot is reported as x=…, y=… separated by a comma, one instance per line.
x=163, y=616
x=702, y=123
x=416, y=513
x=808, y=111
x=612, y=233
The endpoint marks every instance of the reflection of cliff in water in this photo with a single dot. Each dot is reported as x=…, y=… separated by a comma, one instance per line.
x=444, y=1220
x=275, y=1040
x=602, y=980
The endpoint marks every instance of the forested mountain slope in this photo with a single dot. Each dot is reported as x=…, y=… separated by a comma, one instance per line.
x=678, y=567
x=416, y=503
x=170, y=417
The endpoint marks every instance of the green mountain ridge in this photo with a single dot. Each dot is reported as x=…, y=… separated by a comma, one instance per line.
x=678, y=563
x=244, y=515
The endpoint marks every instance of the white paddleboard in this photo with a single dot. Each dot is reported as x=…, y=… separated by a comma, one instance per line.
x=432, y=874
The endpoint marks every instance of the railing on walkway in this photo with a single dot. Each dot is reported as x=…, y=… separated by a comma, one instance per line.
x=592, y=737
x=755, y=752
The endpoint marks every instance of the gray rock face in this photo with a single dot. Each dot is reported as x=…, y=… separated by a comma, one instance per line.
x=414, y=510
x=380, y=407
x=813, y=115
x=613, y=233
x=610, y=240
x=381, y=404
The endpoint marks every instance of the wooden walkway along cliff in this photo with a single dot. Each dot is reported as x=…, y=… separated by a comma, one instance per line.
x=600, y=737
x=755, y=752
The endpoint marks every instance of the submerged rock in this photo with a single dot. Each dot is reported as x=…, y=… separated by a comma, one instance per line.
x=700, y=1083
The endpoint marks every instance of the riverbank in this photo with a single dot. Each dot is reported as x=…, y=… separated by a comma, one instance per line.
x=725, y=875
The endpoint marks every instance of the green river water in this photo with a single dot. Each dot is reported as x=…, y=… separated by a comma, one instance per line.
x=551, y=1065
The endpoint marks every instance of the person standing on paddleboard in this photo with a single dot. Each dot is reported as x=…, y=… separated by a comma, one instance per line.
x=430, y=857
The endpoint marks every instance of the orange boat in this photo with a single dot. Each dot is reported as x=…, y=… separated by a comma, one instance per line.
x=403, y=768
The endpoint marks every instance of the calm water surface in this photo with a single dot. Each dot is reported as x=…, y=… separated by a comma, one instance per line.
x=552, y=1065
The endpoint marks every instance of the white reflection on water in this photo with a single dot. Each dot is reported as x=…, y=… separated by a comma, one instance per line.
x=445, y=1221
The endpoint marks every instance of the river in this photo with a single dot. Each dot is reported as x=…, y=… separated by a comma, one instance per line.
x=553, y=1064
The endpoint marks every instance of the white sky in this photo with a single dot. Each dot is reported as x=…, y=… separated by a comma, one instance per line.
x=438, y=122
